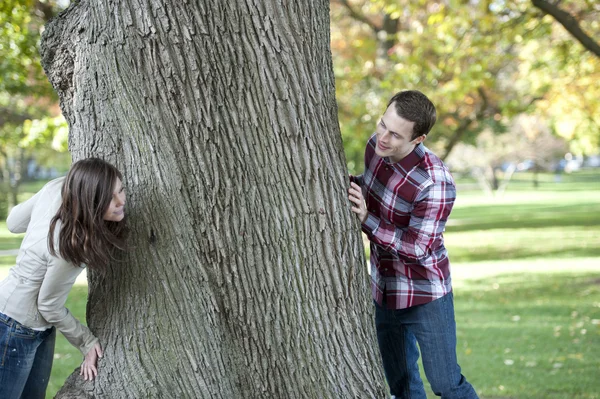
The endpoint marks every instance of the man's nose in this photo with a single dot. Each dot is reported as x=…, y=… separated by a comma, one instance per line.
x=385, y=135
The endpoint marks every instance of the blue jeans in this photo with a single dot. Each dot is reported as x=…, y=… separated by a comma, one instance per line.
x=431, y=325
x=25, y=360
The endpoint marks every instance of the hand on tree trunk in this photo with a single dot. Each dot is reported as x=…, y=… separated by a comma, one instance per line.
x=89, y=369
x=356, y=196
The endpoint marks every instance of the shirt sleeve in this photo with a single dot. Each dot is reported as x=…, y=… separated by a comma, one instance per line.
x=20, y=215
x=427, y=223
x=54, y=291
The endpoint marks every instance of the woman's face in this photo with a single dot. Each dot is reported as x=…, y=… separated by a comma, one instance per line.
x=116, y=209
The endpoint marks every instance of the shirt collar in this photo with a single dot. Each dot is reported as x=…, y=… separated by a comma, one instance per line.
x=411, y=160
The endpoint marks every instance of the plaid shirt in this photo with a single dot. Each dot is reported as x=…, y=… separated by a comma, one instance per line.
x=408, y=203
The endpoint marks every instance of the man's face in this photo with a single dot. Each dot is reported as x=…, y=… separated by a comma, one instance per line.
x=394, y=136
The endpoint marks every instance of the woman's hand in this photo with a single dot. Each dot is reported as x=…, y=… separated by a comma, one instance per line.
x=89, y=370
x=360, y=208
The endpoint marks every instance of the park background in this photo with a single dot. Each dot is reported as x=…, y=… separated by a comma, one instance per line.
x=518, y=122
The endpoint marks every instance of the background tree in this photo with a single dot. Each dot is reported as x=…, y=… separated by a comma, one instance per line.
x=572, y=17
x=482, y=63
x=246, y=272
x=570, y=72
x=31, y=126
x=494, y=157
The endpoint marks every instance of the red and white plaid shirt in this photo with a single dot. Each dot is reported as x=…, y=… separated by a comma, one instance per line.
x=408, y=204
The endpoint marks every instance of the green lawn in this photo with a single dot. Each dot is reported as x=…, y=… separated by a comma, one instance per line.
x=9, y=240
x=531, y=335
x=526, y=270
x=66, y=357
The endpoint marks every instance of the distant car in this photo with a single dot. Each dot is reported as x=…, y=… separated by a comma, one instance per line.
x=573, y=165
x=593, y=161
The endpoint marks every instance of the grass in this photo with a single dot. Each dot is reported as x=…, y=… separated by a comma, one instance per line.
x=531, y=336
x=66, y=357
x=526, y=270
x=9, y=240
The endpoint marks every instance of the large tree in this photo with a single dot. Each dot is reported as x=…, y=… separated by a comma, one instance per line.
x=245, y=276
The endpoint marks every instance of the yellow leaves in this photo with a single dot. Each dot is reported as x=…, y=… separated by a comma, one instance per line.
x=434, y=19
x=531, y=363
x=358, y=42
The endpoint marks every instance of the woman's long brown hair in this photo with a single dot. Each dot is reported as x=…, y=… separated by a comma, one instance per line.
x=84, y=236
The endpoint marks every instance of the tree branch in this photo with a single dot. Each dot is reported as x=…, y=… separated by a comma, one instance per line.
x=359, y=16
x=569, y=23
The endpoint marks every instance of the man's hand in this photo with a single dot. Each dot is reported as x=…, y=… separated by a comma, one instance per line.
x=356, y=197
x=88, y=367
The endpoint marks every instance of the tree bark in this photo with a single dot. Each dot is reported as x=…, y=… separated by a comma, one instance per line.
x=246, y=274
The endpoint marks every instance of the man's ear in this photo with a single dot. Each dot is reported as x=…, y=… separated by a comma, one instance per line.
x=420, y=139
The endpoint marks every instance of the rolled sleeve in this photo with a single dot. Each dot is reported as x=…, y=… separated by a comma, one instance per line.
x=370, y=225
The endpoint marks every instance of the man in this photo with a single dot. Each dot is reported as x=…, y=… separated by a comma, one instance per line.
x=408, y=195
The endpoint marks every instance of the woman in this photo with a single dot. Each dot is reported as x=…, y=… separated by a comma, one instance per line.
x=71, y=222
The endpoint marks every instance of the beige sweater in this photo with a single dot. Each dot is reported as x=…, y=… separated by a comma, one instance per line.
x=36, y=289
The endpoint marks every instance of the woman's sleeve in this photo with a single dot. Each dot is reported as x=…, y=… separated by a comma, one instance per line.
x=20, y=216
x=54, y=291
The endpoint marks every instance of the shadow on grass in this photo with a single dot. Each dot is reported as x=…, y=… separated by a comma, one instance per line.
x=10, y=243
x=523, y=216
x=477, y=254
x=584, y=180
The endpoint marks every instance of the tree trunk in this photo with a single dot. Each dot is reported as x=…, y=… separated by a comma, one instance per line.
x=246, y=275
x=14, y=181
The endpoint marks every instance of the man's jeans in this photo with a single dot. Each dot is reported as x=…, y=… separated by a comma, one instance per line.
x=25, y=360
x=432, y=326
